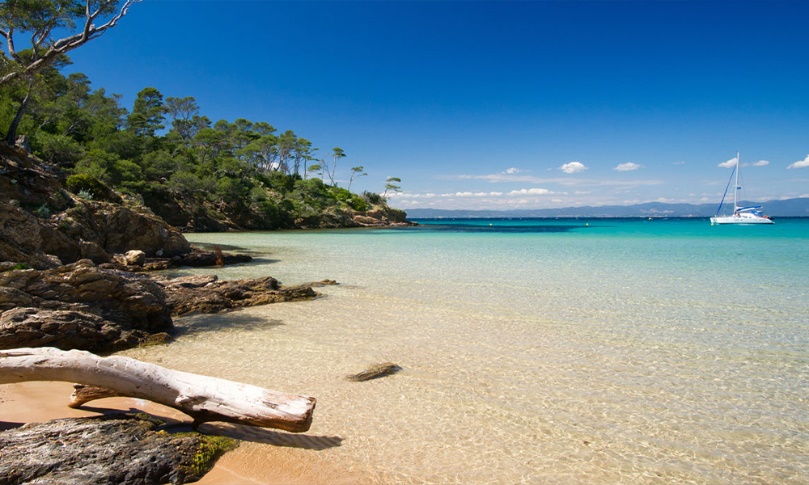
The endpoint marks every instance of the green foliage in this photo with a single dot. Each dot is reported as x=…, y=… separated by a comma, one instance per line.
x=372, y=198
x=84, y=182
x=58, y=149
x=88, y=187
x=392, y=184
x=339, y=194
x=96, y=164
x=174, y=159
x=186, y=183
x=357, y=203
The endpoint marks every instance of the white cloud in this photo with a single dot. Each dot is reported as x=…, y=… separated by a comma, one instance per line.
x=627, y=167
x=512, y=171
x=729, y=164
x=473, y=194
x=800, y=163
x=573, y=167
x=530, y=192
x=760, y=163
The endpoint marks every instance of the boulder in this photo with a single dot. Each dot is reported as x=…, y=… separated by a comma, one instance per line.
x=21, y=237
x=93, y=252
x=198, y=257
x=80, y=306
x=135, y=257
x=118, y=229
x=119, y=449
x=207, y=294
x=64, y=329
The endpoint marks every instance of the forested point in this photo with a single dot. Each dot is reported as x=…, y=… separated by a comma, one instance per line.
x=196, y=174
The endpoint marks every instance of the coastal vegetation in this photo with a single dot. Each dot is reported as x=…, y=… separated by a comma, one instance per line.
x=192, y=172
x=163, y=152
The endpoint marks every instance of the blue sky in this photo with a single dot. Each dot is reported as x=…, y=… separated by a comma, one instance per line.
x=495, y=105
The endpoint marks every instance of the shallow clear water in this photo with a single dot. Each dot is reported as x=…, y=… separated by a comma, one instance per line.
x=534, y=351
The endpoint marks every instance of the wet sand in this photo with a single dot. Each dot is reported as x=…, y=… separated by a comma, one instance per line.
x=263, y=457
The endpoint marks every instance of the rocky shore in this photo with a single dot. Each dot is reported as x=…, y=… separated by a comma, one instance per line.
x=76, y=274
x=86, y=307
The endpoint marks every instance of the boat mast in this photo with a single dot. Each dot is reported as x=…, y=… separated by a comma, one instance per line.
x=736, y=188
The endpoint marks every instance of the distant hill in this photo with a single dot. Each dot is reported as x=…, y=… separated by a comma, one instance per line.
x=775, y=208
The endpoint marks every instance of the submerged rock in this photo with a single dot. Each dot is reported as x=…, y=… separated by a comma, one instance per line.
x=119, y=449
x=375, y=371
x=199, y=257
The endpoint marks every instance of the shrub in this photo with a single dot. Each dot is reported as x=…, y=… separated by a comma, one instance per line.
x=88, y=187
x=43, y=211
x=358, y=203
x=84, y=182
x=85, y=194
x=59, y=149
x=372, y=198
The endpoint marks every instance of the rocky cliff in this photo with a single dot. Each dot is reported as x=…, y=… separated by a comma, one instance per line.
x=42, y=225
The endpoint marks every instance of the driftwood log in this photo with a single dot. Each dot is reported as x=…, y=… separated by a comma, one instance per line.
x=203, y=398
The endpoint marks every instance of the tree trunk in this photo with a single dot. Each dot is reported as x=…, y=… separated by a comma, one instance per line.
x=203, y=398
x=11, y=136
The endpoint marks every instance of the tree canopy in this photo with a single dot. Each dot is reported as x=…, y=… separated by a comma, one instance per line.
x=165, y=152
x=162, y=151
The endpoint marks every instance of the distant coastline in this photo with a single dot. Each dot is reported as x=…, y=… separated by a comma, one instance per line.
x=798, y=207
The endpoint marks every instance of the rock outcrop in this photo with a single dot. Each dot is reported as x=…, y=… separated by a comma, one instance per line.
x=112, y=229
x=88, y=307
x=208, y=294
x=43, y=225
x=80, y=306
x=113, y=449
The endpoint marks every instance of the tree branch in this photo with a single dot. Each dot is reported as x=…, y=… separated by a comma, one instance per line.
x=63, y=45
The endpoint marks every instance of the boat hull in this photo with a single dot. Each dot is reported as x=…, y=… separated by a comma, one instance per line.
x=744, y=219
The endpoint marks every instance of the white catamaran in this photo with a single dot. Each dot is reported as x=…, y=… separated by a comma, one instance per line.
x=741, y=215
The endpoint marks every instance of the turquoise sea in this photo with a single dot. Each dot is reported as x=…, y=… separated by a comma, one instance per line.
x=533, y=351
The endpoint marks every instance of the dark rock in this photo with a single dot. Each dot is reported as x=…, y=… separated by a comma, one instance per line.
x=87, y=307
x=118, y=229
x=63, y=329
x=110, y=309
x=207, y=258
x=207, y=294
x=29, y=181
x=21, y=237
x=115, y=449
x=93, y=252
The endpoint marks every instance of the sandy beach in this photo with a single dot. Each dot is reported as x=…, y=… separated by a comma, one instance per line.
x=263, y=457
